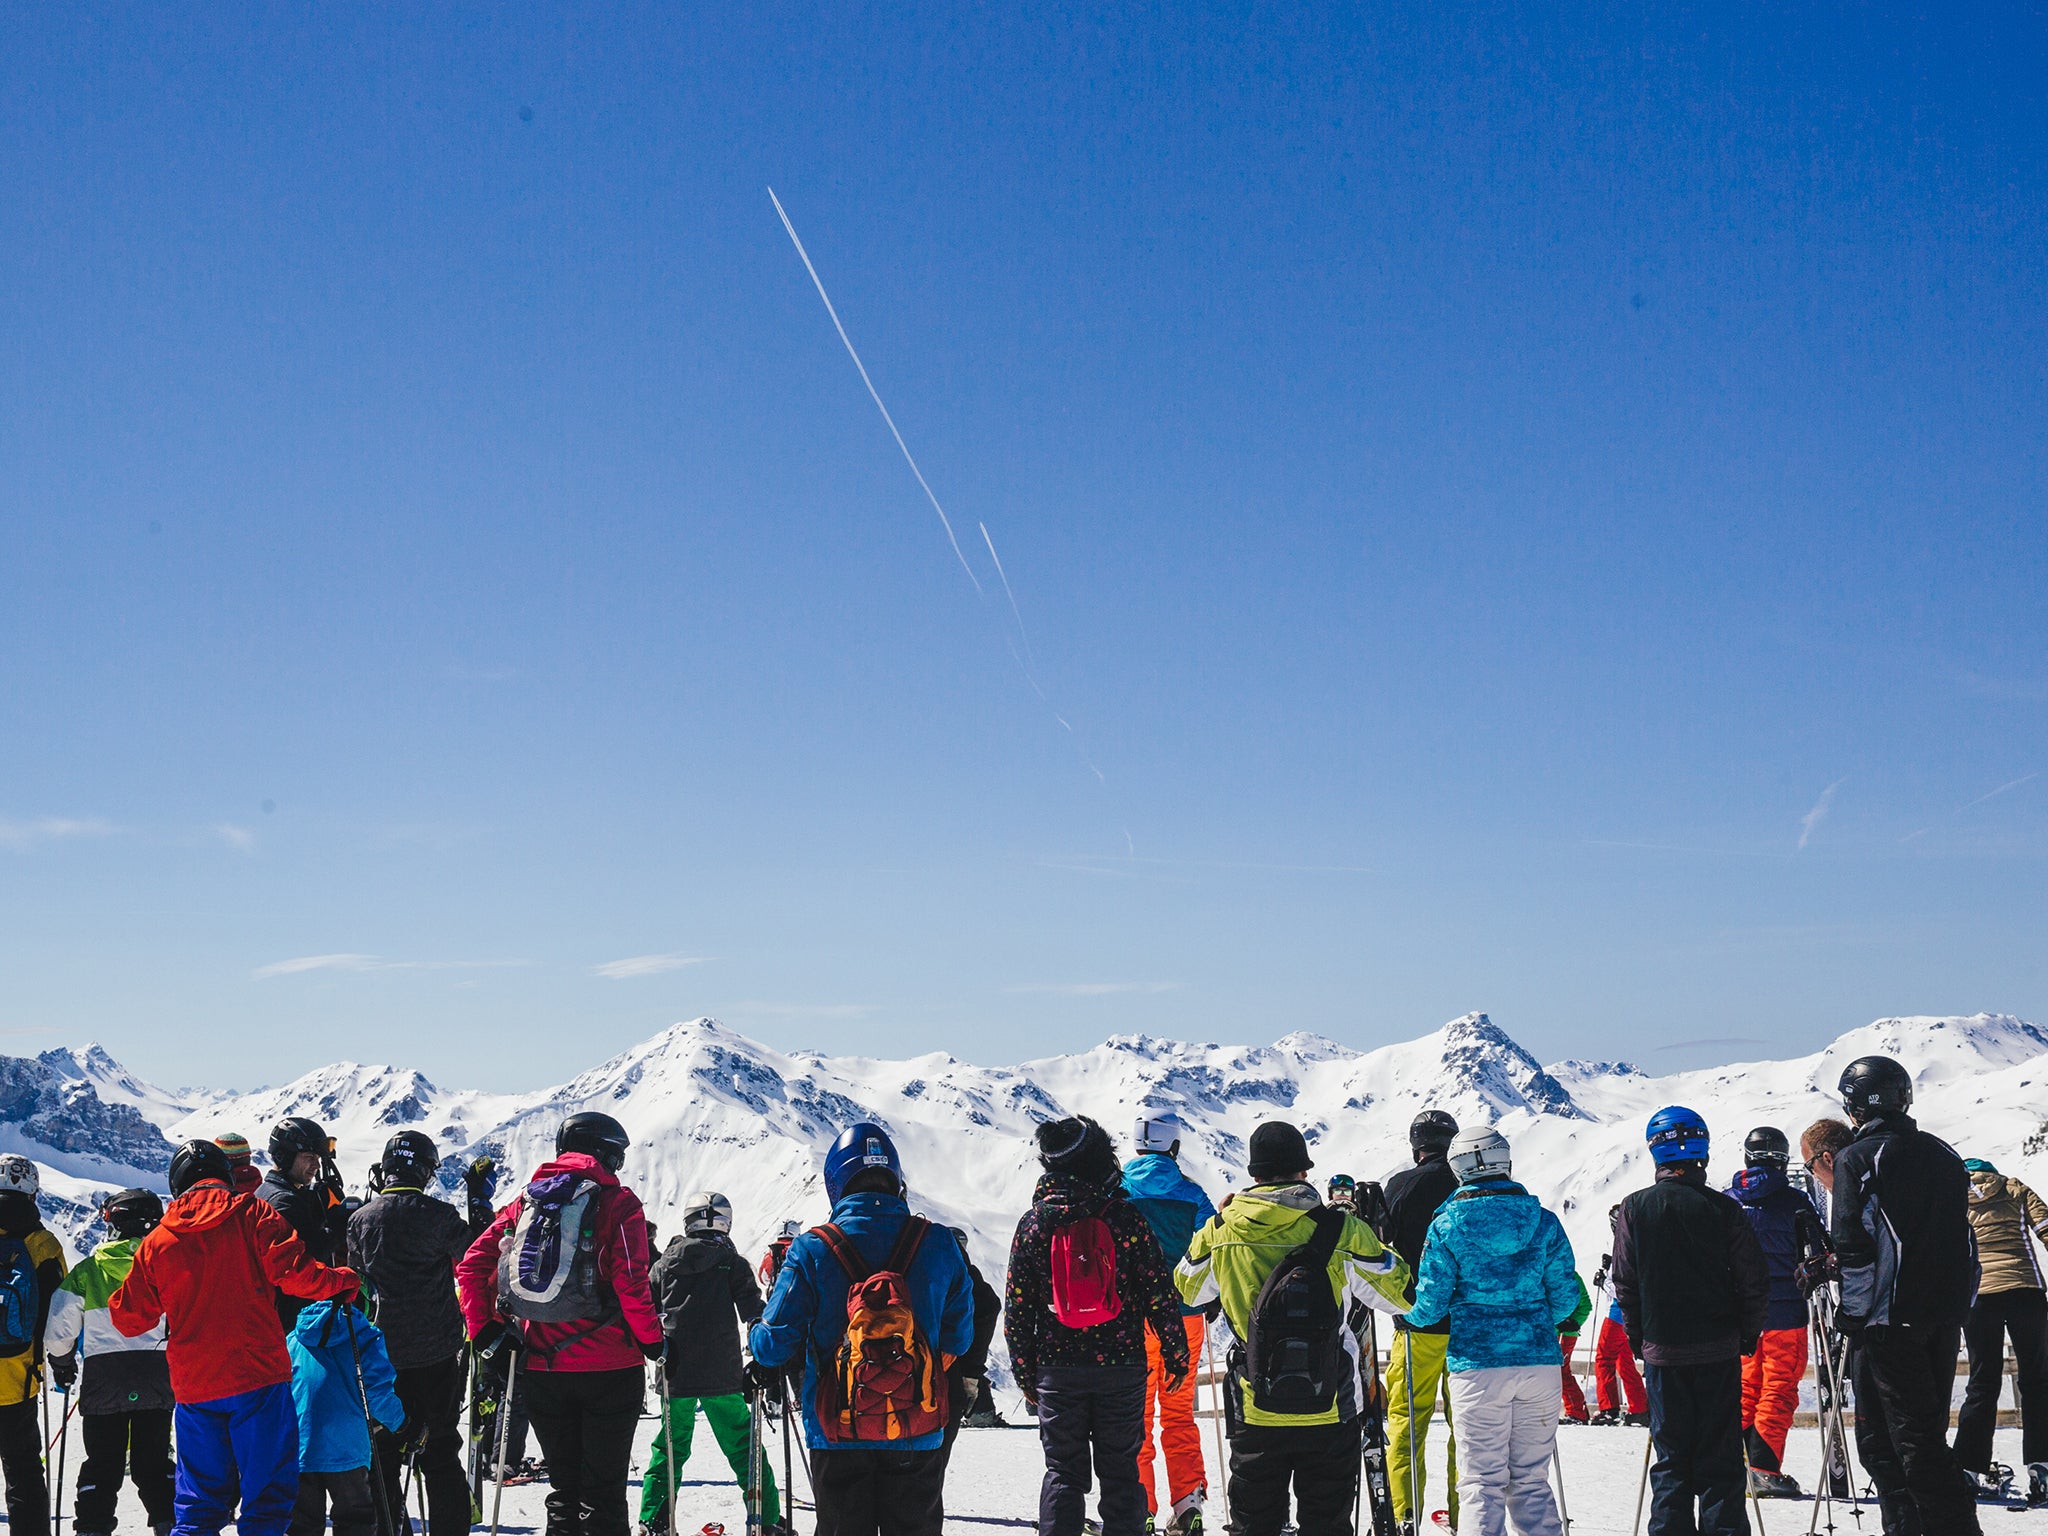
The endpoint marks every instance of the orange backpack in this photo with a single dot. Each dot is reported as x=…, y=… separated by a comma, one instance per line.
x=886, y=1383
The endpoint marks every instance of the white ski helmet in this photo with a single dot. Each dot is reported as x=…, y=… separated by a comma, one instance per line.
x=19, y=1174
x=1480, y=1153
x=792, y=1229
x=708, y=1212
x=1158, y=1133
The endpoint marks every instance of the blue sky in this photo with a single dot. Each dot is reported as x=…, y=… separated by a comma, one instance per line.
x=1527, y=512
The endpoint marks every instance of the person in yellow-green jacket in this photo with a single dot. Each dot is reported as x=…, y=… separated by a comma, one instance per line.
x=31, y=1269
x=1287, y=1272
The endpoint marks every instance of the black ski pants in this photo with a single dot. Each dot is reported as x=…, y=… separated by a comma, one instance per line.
x=584, y=1421
x=1091, y=1416
x=432, y=1395
x=879, y=1493
x=1319, y=1462
x=21, y=1463
x=2024, y=1315
x=354, y=1506
x=1903, y=1375
x=136, y=1445
x=1698, y=1482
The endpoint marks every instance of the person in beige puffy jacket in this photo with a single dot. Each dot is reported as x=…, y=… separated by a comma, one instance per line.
x=2007, y=1218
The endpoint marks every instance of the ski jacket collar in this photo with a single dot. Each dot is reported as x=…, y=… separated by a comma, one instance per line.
x=1063, y=1198
x=570, y=1165
x=1156, y=1176
x=1753, y=1186
x=695, y=1252
x=1683, y=1173
x=201, y=1208
x=1292, y=1197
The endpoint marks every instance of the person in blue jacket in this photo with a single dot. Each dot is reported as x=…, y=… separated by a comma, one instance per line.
x=874, y=1391
x=1789, y=1230
x=1175, y=1208
x=329, y=1342
x=1499, y=1267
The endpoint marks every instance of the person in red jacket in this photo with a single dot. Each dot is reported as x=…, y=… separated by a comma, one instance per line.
x=583, y=1381
x=211, y=1270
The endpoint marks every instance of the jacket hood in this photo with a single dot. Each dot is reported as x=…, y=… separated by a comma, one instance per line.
x=570, y=1166
x=1753, y=1186
x=699, y=1251
x=1154, y=1175
x=314, y=1317
x=1267, y=1211
x=201, y=1208
x=1987, y=1185
x=1064, y=1198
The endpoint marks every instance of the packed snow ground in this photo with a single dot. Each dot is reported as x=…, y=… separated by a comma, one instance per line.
x=993, y=1486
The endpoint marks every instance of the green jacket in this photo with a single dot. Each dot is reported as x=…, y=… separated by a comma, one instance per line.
x=1571, y=1325
x=1229, y=1258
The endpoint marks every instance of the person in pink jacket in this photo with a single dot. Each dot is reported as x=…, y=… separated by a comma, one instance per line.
x=583, y=1327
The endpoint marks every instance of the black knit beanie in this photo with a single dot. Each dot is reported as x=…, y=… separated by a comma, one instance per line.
x=1278, y=1151
x=1078, y=1147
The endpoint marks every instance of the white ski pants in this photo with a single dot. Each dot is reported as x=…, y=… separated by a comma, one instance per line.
x=1507, y=1426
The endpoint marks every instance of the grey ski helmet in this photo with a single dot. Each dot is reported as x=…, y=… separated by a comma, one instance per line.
x=708, y=1212
x=1480, y=1153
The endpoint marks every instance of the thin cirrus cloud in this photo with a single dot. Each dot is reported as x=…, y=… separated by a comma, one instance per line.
x=1093, y=988
x=644, y=965
x=53, y=829
x=241, y=839
x=299, y=965
x=1813, y=818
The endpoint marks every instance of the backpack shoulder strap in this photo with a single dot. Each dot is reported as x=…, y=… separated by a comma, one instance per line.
x=842, y=1249
x=1329, y=1227
x=908, y=1241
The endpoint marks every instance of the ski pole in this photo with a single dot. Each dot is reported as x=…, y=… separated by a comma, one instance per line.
x=1372, y=1370
x=1414, y=1441
x=788, y=1469
x=385, y=1522
x=504, y=1435
x=1217, y=1386
x=668, y=1444
x=756, y=1505
x=1749, y=1482
x=1564, y=1512
x=1644, y=1486
x=63, y=1444
x=60, y=1429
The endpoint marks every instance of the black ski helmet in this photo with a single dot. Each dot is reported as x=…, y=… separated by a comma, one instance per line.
x=1766, y=1147
x=132, y=1212
x=598, y=1134
x=295, y=1134
x=1873, y=1086
x=196, y=1162
x=1431, y=1131
x=409, y=1160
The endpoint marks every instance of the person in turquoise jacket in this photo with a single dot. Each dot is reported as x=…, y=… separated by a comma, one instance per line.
x=1175, y=1208
x=328, y=1341
x=1499, y=1267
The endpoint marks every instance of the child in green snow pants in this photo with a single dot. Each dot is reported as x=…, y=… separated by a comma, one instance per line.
x=729, y=1426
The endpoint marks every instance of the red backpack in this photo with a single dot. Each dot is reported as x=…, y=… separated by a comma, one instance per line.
x=886, y=1382
x=1084, y=1273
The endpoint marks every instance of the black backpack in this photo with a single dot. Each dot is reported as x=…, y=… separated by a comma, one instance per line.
x=1294, y=1355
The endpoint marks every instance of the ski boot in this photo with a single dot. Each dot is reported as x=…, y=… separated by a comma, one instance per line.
x=1772, y=1485
x=2037, y=1484
x=1186, y=1519
x=1636, y=1420
x=1606, y=1416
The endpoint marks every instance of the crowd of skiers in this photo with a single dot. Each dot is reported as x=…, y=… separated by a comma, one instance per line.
x=268, y=1351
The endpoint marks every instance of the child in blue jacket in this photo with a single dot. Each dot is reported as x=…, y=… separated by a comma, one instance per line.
x=328, y=1342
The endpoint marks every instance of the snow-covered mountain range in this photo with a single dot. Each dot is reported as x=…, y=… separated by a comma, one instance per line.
x=708, y=1108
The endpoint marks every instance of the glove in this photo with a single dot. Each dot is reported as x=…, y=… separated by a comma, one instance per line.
x=1749, y=1345
x=64, y=1371
x=1635, y=1345
x=1815, y=1272
x=656, y=1350
x=494, y=1336
x=762, y=1381
x=1600, y=1274
x=410, y=1434
x=480, y=1178
x=1211, y=1312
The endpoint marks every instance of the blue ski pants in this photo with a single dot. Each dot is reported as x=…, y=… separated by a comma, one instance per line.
x=246, y=1448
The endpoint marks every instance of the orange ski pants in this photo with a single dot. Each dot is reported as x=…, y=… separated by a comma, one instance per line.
x=1179, y=1436
x=1770, y=1385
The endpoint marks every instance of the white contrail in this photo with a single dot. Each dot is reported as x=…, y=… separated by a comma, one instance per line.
x=1818, y=814
x=818, y=283
x=2025, y=778
x=1015, y=612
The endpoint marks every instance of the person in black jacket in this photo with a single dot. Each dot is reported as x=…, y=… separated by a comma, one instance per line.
x=1415, y=1358
x=967, y=1378
x=704, y=1292
x=1695, y=1292
x=1899, y=1213
x=304, y=1187
x=404, y=1243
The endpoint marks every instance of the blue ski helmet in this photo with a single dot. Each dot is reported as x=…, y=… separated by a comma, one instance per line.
x=859, y=1147
x=1676, y=1135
